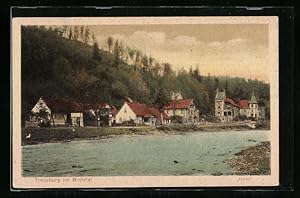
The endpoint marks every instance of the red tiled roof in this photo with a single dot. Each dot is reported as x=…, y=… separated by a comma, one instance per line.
x=142, y=110
x=157, y=113
x=114, y=110
x=231, y=101
x=244, y=104
x=138, y=108
x=179, y=104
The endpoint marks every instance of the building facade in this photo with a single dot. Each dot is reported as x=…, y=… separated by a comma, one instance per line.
x=57, y=112
x=227, y=109
x=140, y=114
x=183, y=108
x=251, y=108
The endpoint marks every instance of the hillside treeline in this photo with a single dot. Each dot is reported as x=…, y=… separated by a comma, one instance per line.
x=68, y=62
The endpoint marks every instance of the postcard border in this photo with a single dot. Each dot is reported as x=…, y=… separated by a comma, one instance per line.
x=146, y=181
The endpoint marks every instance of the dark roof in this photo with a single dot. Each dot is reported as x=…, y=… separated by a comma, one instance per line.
x=61, y=105
x=231, y=101
x=220, y=95
x=179, y=104
x=65, y=105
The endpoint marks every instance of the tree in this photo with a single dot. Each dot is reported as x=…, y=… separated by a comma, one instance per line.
x=71, y=34
x=216, y=84
x=162, y=98
x=65, y=30
x=151, y=61
x=226, y=85
x=131, y=53
x=191, y=71
x=82, y=36
x=167, y=69
x=87, y=35
x=110, y=41
x=137, y=57
x=145, y=62
x=117, y=53
x=93, y=38
x=43, y=117
x=96, y=52
x=196, y=74
x=76, y=33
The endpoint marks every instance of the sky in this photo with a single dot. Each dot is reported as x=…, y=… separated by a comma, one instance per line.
x=217, y=49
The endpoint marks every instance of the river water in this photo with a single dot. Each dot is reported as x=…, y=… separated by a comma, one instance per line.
x=197, y=153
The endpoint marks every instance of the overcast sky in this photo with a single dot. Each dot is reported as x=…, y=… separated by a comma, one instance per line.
x=235, y=50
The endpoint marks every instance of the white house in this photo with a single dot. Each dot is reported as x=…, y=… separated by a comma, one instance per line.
x=140, y=114
x=60, y=112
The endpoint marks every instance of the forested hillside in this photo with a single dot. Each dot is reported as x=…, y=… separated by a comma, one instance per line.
x=69, y=63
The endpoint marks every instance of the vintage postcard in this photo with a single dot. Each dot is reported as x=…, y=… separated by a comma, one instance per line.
x=113, y=102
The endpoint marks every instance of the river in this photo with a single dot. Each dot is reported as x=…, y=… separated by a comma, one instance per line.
x=196, y=153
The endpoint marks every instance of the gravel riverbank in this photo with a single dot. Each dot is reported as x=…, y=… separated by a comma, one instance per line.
x=254, y=160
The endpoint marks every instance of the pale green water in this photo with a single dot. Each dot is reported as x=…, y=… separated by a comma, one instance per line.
x=200, y=153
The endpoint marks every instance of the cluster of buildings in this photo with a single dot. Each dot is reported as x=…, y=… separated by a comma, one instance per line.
x=228, y=109
x=66, y=112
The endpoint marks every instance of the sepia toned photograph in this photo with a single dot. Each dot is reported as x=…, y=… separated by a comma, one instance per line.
x=145, y=102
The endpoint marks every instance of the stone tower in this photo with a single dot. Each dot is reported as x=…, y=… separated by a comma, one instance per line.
x=220, y=103
x=253, y=106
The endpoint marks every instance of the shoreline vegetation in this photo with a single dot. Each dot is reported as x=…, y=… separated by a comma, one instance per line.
x=67, y=134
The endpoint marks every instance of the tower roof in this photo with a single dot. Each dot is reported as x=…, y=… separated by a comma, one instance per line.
x=220, y=95
x=253, y=98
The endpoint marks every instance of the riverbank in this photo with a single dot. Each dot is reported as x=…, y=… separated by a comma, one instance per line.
x=66, y=134
x=254, y=160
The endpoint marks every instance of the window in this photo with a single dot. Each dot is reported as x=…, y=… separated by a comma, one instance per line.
x=219, y=107
x=125, y=110
x=182, y=110
x=229, y=113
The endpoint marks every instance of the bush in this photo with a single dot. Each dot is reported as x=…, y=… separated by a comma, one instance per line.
x=176, y=119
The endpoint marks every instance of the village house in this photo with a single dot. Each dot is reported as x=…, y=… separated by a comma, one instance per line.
x=182, y=108
x=97, y=114
x=251, y=108
x=58, y=112
x=140, y=114
x=227, y=109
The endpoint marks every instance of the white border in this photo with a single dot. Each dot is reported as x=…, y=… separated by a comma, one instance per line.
x=145, y=181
